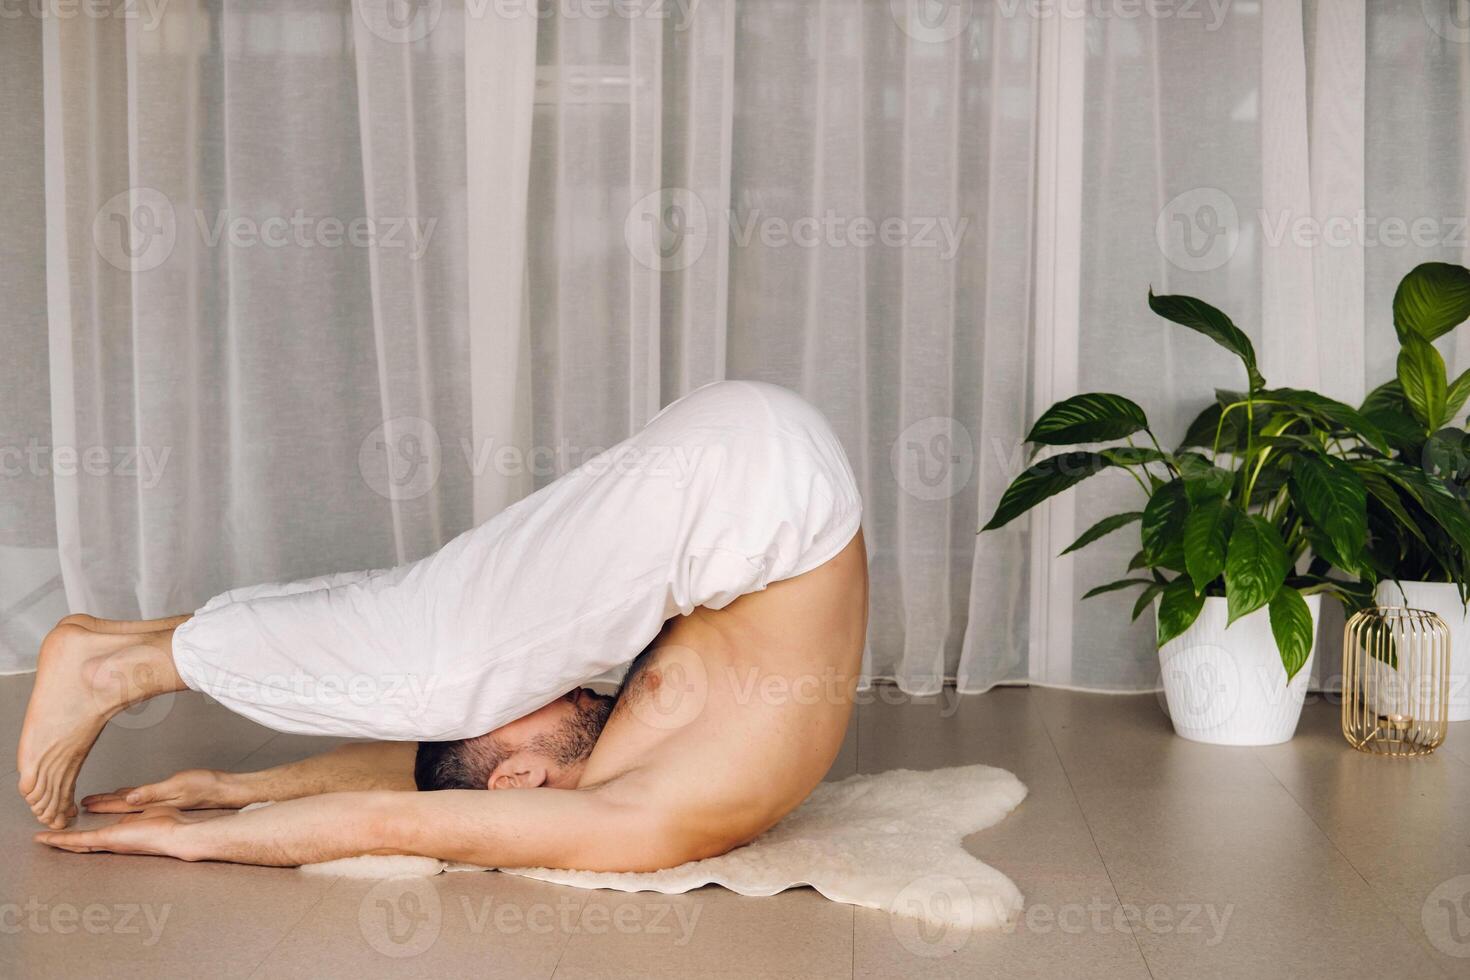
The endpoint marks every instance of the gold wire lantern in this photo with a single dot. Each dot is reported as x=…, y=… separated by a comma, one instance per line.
x=1395, y=681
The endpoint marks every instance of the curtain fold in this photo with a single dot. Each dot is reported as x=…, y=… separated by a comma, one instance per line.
x=354, y=277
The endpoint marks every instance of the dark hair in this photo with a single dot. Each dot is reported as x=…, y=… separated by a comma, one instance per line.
x=464, y=763
x=467, y=763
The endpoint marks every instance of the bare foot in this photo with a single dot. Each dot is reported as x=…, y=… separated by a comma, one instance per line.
x=80, y=684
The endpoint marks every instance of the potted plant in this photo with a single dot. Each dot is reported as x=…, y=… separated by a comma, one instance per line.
x=1239, y=531
x=1418, y=563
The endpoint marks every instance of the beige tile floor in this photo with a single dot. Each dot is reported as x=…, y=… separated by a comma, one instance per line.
x=1140, y=855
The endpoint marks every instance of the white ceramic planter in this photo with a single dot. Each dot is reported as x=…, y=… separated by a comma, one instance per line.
x=1227, y=686
x=1442, y=599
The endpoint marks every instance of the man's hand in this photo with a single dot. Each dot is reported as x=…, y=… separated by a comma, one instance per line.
x=318, y=828
x=153, y=831
x=191, y=789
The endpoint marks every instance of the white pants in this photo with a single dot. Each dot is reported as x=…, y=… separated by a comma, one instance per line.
x=730, y=488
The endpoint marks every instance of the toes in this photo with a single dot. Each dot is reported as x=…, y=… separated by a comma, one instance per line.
x=37, y=790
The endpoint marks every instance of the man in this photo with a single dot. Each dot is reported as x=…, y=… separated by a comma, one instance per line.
x=727, y=531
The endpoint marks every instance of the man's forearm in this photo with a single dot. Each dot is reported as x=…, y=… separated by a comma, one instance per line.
x=302, y=831
x=356, y=766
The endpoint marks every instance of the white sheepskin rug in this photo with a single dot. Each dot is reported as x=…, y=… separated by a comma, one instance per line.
x=888, y=841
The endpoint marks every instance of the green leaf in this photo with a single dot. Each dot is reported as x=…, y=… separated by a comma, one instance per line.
x=1206, y=535
x=1041, y=480
x=1456, y=396
x=1092, y=417
x=1422, y=374
x=1202, y=479
x=1447, y=510
x=1163, y=526
x=1291, y=624
x=1121, y=583
x=1144, y=598
x=1447, y=455
x=1431, y=300
x=1330, y=410
x=1178, y=609
x=1131, y=455
x=1334, y=498
x=1400, y=428
x=1255, y=566
x=1388, y=396
x=1139, y=560
x=1103, y=527
x=1268, y=483
x=1200, y=316
x=1382, y=491
x=1202, y=430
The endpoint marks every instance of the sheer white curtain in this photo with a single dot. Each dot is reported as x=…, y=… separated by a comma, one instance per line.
x=240, y=253
x=930, y=219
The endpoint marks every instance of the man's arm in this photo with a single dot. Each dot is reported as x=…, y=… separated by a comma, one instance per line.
x=353, y=766
x=582, y=829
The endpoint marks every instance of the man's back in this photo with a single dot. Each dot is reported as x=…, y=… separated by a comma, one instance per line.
x=740, y=711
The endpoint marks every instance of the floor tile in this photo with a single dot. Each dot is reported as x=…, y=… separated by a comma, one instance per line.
x=145, y=917
x=1230, y=877
x=481, y=924
x=710, y=932
x=1070, y=926
x=1402, y=823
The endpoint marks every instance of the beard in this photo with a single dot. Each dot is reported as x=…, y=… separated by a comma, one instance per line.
x=574, y=739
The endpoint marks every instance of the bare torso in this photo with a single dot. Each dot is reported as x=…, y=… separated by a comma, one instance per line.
x=740, y=711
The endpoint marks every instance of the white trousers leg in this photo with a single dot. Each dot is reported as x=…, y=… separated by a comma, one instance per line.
x=728, y=489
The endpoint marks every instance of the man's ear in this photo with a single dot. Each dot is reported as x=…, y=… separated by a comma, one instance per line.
x=519, y=771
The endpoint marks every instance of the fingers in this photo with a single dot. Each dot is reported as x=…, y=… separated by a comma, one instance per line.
x=76, y=841
x=131, y=799
x=113, y=802
x=142, y=834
